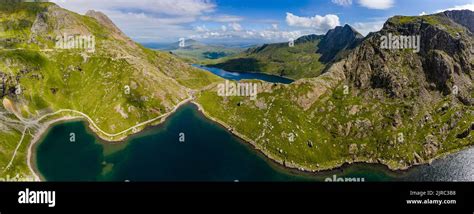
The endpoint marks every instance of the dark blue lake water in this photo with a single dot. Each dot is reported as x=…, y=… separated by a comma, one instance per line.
x=245, y=75
x=209, y=153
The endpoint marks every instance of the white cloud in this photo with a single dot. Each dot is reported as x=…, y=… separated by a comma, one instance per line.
x=201, y=28
x=148, y=20
x=170, y=7
x=278, y=35
x=267, y=35
x=235, y=26
x=224, y=28
x=317, y=22
x=147, y=28
x=222, y=18
x=366, y=27
x=342, y=2
x=275, y=26
x=377, y=4
x=459, y=7
x=423, y=13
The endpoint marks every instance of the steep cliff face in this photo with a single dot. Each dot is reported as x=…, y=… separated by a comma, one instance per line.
x=462, y=17
x=429, y=85
x=442, y=66
x=115, y=31
x=336, y=41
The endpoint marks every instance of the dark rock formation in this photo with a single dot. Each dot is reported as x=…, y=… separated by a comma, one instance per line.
x=443, y=64
x=463, y=17
x=337, y=40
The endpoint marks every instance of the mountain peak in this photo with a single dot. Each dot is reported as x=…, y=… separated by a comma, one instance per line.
x=444, y=58
x=454, y=22
x=346, y=29
x=337, y=39
x=193, y=42
x=349, y=28
x=462, y=17
x=103, y=19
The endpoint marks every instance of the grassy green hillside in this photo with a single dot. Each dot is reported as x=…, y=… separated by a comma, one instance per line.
x=278, y=59
x=118, y=86
x=378, y=106
x=393, y=107
x=310, y=55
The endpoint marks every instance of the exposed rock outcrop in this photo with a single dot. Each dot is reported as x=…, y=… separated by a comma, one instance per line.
x=442, y=65
x=463, y=17
x=337, y=40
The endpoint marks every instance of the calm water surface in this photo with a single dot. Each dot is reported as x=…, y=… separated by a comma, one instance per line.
x=209, y=153
x=245, y=75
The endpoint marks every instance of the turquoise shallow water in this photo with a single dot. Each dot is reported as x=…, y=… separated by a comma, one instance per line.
x=209, y=153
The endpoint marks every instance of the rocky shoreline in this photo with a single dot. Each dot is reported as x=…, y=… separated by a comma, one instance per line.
x=339, y=164
x=45, y=127
x=288, y=165
x=36, y=138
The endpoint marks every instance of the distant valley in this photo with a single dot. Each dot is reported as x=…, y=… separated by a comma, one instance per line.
x=197, y=52
x=352, y=99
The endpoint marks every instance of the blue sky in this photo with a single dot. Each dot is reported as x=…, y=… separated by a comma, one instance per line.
x=165, y=21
